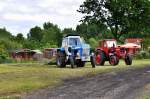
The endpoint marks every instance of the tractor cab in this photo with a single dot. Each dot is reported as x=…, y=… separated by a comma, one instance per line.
x=108, y=45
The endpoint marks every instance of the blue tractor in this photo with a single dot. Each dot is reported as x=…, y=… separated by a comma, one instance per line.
x=74, y=51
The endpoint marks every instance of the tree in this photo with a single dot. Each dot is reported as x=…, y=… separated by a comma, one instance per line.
x=19, y=38
x=51, y=34
x=48, y=25
x=4, y=34
x=35, y=34
x=68, y=31
x=91, y=30
x=93, y=42
x=120, y=16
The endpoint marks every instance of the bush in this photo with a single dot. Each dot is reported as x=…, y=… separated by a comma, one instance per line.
x=93, y=43
x=143, y=55
x=2, y=59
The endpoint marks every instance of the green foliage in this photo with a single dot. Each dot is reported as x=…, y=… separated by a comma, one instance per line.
x=68, y=31
x=19, y=38
x=3, y=53
x=35, y=34
x=120, y=16
x=143, y=55
x=5, y=47
x=51, y=33
x=49, y=36
x=91, y=30
x=8, y=44
x=146, y=43
x=50, y=45
x=4, y=34
x=93, y=42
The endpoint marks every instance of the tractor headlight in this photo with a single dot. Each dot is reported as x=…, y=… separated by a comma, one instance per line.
x=78, y=55
x=92, y=54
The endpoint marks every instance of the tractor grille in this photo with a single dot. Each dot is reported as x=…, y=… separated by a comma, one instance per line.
x=85, y=52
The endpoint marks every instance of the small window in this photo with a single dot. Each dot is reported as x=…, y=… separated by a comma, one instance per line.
x=64, y=42
x=74, y=42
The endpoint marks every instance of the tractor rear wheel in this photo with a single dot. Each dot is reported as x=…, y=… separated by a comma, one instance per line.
x=113, y=60
x=99, y=57
x=60, y=60
x=128, y=60
x=80, y=63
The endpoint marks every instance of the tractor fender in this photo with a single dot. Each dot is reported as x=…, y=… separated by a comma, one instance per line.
x=100, y=50
x=60, y=50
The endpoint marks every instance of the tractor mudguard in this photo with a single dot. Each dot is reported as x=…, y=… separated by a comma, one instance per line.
x=61, y=50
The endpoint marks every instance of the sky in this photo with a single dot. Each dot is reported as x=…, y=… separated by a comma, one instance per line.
x=18, y=16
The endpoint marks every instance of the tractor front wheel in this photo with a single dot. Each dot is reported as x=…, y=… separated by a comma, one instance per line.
x=92, y=59
x=72, y=61
x=128, y=60
x=113, y=60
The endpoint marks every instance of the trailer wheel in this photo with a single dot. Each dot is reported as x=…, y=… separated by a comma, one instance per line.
x=72, y=61
x=113, y=60
x=60, y=60
x=128, y=60
x=80, y=63
x=92, y=59
x=99, y=57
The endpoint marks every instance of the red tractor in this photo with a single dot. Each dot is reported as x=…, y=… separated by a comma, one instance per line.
x=109, y=51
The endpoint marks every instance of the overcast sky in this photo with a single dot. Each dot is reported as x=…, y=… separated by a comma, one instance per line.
x=18, y=16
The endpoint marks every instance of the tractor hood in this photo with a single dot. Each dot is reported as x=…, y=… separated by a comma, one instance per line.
x=81, y=46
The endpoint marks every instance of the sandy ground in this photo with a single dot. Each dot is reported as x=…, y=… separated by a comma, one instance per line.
x=129, y=84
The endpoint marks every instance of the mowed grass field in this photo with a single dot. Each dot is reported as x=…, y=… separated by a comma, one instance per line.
x=16, y=79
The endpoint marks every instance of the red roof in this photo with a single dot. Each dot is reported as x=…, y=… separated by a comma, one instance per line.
x=130, y=45
x=133, y=40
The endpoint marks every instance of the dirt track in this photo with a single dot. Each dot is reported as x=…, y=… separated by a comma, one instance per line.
x=122, y=85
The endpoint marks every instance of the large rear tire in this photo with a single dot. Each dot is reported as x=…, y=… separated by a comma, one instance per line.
x=128, y=60
x=99, y=58
x=60, y=60
x=113, y=60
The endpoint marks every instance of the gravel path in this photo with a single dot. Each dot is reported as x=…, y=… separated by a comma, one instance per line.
x=121, y=85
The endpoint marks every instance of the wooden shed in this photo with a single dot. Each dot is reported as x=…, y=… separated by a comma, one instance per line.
x=22, y=54
x=50, y=53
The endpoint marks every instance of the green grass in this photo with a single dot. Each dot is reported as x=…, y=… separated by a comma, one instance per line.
x=18, y=78
x=147, y=97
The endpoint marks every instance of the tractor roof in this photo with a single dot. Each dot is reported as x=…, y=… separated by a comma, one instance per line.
x=71, y=35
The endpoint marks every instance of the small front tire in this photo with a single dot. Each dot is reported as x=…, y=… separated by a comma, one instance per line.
x=72, y=62
x=113, y=60
x=128, y=60
x=92, y=59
